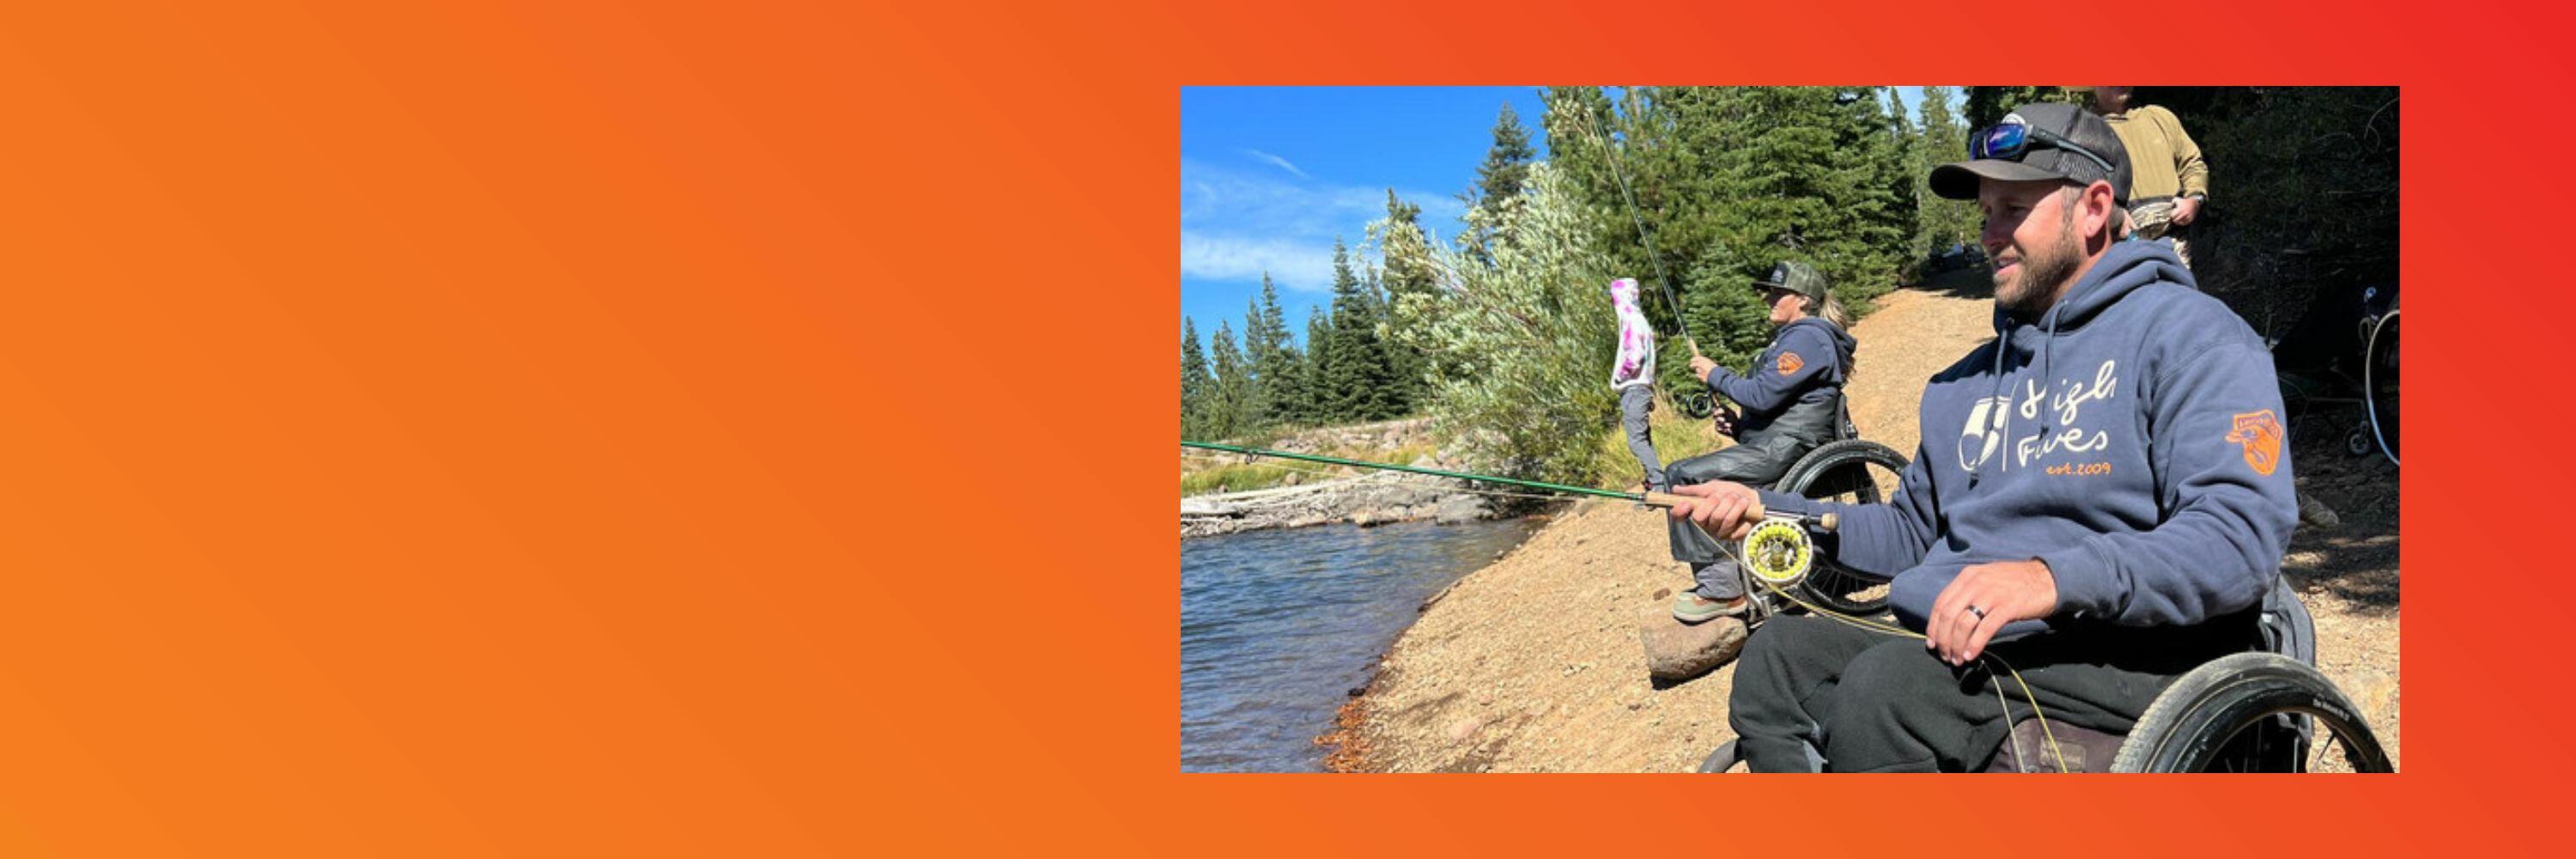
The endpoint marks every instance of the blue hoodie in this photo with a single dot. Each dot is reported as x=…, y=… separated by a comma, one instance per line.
x=2132, y=440
x=1807, y=348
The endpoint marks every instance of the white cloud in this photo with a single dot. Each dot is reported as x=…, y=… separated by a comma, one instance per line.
x=1276, y=161
x=1302, y=266
x=1234, y=225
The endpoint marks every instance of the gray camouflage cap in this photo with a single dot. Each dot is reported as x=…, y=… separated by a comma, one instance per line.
x=1796, y=277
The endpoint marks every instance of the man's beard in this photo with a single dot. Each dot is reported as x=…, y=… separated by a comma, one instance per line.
x=2030, y=291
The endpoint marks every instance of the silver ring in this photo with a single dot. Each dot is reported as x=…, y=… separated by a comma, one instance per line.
x=1980, y=613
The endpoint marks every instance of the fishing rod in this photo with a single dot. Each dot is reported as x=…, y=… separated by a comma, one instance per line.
x=1696, y=405
x=1823, y=522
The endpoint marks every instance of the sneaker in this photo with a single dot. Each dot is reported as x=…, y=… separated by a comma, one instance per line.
x=1690, y=607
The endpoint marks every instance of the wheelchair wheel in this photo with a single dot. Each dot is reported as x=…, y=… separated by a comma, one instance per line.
x=1851, y=471
x=2251, y=712
x=2379, y=383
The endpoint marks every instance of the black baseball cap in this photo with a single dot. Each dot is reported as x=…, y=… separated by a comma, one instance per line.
x=2040, y=157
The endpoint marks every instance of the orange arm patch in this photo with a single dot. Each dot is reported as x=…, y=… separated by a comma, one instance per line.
x=2259, y=433
x=1790, y=362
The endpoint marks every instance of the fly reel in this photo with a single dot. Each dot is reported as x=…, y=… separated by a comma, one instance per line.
x=1778, y=552
x=1696, y=405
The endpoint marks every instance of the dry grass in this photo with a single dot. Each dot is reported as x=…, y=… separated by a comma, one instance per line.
x=1203, y=474
x=1233, y=478
x=1676, y=438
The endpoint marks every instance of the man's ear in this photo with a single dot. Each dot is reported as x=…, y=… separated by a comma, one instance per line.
x=2101, y=211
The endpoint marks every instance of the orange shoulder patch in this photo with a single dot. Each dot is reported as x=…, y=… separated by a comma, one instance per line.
x=2259, y=433
x=1790, y=362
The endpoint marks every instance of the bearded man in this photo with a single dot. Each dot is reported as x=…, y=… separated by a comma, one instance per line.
x=2102, y=495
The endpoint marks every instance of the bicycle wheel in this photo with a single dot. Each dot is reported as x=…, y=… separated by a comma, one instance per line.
x=2251, y=712
x=1851, y=471
x=2379, y=383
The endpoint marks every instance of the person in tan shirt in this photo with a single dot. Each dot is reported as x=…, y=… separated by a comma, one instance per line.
x=2168, y=180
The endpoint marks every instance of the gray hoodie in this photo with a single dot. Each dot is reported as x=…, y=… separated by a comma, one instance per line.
x=2132, y=440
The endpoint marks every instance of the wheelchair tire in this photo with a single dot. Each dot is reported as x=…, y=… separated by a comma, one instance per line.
x=2379, y=383
x=1841, y=471
x=1725, y=758
x=2249, y=712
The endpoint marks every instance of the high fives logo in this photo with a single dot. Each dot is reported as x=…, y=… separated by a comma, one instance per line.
x=1984, y=432
x=2259, y=433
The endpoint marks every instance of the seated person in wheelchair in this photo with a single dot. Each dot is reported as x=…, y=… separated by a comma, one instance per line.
x=1792, y=402
x=2102, y=496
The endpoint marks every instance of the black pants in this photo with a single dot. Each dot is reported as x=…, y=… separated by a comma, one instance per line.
x=1813, y=694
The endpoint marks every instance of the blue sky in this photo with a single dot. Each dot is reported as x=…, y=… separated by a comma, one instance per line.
x=1271, y=175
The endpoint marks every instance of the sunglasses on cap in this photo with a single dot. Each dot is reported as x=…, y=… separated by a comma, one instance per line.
x=2014, y=137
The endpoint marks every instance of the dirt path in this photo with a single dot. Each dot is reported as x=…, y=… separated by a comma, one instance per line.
x=1533, y=663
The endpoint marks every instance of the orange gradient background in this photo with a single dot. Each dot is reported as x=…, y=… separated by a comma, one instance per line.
x=745, y=429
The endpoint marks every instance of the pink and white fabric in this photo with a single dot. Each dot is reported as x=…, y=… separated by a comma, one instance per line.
x=1636, y=362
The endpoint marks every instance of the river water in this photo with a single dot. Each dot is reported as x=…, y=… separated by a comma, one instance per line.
x=1277, y=626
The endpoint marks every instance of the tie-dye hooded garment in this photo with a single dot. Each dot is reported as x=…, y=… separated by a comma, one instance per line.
x=1636, y=362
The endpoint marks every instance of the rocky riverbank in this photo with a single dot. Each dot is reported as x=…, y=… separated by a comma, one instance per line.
x=1323, y=495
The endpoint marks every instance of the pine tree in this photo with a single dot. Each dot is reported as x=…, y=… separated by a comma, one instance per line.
x=1805, y=173
x=1398, y=394
x=1314, y=406
x=1226, y=407
x=1506, y=165
x=1941, y=222
x=1988, y=104
x=1267, y=349
x=1357, y=376
x=1195, y=384
x=1255, y=412
x=1902, y=177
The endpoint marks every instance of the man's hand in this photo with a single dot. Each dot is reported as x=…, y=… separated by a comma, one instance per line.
x=1724, y=510
x=2185, y=209
x=1700, y=365
x=1725, y=418
x=1981, y=600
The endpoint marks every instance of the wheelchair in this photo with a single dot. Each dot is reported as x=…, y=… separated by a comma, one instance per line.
x=2326, y=362
x=2267, y=709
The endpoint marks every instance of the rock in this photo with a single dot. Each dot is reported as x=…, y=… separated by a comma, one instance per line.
x=1460, y=730
x=1677, y=651
x=1457, y=509
x=2315, y=512
x=1205, y=507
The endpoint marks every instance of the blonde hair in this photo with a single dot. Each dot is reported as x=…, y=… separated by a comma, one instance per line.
x=1832, y=310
